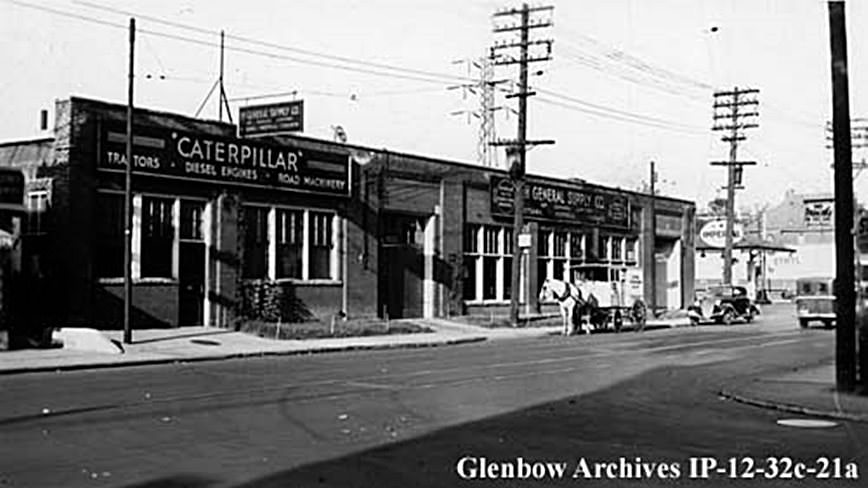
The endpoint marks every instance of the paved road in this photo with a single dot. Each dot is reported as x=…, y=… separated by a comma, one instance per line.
x=406, y=417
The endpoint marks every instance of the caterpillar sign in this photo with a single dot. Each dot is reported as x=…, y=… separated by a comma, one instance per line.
x=713, y=233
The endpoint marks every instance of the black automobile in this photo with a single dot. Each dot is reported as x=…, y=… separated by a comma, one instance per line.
x=723, y=305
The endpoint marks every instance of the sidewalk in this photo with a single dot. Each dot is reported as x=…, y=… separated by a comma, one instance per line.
x=188, y=344
x=808, y=391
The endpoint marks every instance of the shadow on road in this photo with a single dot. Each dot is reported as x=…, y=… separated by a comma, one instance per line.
x=667, y=414
x=177, y=481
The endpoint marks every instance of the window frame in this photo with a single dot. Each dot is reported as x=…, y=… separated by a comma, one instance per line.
x=136, y=244
x=335, y=231
x=488, y=244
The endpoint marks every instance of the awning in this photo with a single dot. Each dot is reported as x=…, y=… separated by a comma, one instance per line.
x=751, y=243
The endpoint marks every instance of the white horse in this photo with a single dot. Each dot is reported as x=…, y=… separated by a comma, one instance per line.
x=568, y=297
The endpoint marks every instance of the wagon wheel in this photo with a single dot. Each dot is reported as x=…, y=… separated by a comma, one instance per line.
x=639, y=314
x=618, y=321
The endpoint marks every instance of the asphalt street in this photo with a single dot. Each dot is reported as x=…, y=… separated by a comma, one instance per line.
x=409, y=417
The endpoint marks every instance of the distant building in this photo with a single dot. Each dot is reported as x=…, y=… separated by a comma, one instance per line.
x=804, y=222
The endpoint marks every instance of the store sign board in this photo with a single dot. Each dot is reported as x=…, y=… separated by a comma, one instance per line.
x=275, y=118
x=819, y=212
x=713, y=233
x=669, y=225
x=204, y=157
x=561, y=202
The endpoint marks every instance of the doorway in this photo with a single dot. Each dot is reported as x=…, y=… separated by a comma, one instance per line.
x=402, y=266
x=191, y=265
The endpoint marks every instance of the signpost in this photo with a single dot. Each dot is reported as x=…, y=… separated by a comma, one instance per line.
x=271, y=119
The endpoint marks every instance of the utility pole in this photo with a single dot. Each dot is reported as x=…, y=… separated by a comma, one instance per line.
x=726, y=109
x=128, y=197
x=519, y=147
x=845, y=297
x=653, y=243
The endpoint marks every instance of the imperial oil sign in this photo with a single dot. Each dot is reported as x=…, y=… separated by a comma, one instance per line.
x=712, y=233
x=203, y=157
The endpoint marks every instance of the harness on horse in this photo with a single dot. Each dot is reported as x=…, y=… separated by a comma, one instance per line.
x=567, y=293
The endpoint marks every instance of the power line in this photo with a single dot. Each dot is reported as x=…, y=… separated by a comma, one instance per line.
x=619, y=118
x=211, y=44
x=623, y=114
x=256, y=42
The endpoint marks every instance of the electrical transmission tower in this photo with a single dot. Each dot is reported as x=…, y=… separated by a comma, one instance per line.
x=503, y=53
x=484, y=88
x=729, y=117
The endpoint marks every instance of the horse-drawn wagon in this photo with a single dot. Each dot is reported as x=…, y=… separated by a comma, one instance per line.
x=599, y=304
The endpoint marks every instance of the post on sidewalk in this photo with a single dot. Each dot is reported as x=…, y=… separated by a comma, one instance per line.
x=845, y=296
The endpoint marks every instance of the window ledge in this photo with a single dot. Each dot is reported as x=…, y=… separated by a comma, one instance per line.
x=138, y=281
x=298, y=281
x=486, y=302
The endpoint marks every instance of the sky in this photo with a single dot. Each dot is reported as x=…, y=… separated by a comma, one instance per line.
x=629, y=82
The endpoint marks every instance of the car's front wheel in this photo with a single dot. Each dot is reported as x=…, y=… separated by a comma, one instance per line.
x=803, y=323
x=727, y=318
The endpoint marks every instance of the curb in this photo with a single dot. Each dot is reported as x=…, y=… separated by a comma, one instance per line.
x=788, y=407
x=240, y=355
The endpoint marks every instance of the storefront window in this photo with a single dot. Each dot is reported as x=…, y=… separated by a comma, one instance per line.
x=109, y=255
x=577, y=253
x=543, y=257
x=487, y=273
x=560, y=263
x=290, y=234
x=630, y=250
x=471, y=256
x=507, y=263
x=158, y=237
x=603, y=248
x=255, y=242
x=616, y=248
x=491, y=248
x=320, y=245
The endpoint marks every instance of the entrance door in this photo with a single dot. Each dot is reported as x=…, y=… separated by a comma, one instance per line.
x=402, y=266
x=191, y=265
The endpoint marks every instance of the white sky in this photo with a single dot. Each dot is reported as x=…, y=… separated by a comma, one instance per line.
x=778, y=46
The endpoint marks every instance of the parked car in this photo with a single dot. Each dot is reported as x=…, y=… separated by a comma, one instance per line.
x=815, y=301
x=723, y=305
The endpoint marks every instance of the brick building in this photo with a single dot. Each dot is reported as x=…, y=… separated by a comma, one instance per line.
x=225, y=226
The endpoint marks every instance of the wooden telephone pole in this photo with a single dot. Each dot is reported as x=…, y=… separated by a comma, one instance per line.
x=734, y=121
x=128, y=197
x=845, y=296
x=518, y=148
